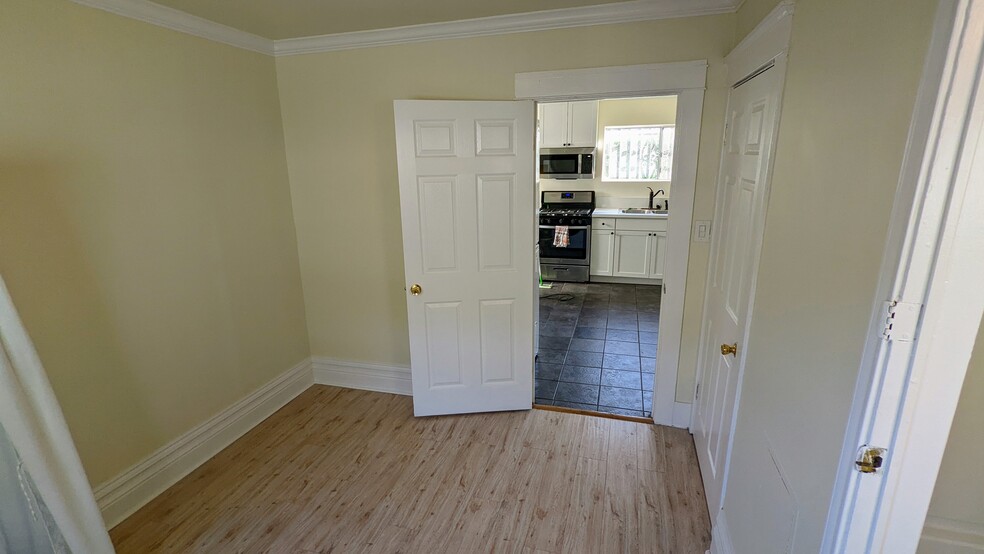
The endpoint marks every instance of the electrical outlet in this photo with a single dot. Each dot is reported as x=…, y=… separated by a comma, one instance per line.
x=702, y=231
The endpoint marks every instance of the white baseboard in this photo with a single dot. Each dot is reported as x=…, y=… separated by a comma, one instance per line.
x=357, y=375
x=945, y=536
x=681, y=414
x=126, y=493
x=721, y=536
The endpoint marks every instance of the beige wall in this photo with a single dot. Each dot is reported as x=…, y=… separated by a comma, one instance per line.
x=338, y=122
x=853, y=72
x=631, y=111
x=750, y=14
x=958, y=499
x=145, y=223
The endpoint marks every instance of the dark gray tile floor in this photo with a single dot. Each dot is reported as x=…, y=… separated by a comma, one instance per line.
x=598, y=347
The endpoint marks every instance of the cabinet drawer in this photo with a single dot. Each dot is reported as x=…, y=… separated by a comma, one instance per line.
x=641, y=224
x=603, y=223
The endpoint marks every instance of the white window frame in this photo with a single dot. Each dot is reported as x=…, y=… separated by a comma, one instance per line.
x=606, y=152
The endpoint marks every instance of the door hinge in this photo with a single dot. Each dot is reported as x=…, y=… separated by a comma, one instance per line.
x=698, y=391
x=901, y=321
x=870, y=459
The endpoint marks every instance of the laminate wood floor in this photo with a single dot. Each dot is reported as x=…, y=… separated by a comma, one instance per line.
x=340, y=470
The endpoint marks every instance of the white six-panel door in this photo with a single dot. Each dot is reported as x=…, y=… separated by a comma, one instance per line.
x=466, y=172
x=737, y=228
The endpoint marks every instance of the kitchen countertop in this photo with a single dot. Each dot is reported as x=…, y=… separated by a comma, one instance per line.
x=617, y=212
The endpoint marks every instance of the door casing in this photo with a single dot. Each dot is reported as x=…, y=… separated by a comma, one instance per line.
x=686, y=80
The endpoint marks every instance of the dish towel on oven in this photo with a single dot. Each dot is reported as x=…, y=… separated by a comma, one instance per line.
x=562, y=238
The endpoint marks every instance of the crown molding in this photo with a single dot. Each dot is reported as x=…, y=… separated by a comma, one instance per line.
x=183, y=22
x=620, y=12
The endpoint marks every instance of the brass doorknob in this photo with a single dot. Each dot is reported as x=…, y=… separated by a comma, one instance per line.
x=415, y=290
x=729, y=349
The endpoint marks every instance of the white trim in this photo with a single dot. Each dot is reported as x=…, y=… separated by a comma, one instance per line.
x=686, y=80
x=907, y=392
x=768, y=39
x=681, y=415
x=690, y=106
x=393, y=379
x=122, y=495
x=565, y=18
x=619, y=12
x=949, y=535
x=902, y=210
x=611, y=82
x=721, y=536
x=183, y=22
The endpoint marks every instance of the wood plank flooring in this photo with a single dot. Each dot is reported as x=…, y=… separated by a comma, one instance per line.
x=340, y=470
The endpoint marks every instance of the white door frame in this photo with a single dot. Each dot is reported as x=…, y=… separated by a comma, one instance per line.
x=908, y=385
x=686, y=80
x=768, y=42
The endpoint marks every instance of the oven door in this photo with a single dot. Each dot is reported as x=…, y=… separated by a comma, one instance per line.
x=576, y=253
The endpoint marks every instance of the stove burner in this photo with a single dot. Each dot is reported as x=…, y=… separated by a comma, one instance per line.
x=548, y=210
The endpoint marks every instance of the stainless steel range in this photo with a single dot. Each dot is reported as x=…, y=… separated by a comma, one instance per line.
x=570, y=210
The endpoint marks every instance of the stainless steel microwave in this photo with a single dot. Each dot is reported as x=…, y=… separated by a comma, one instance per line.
x=567, y=163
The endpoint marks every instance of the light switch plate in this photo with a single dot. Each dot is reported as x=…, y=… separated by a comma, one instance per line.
x=702, y=230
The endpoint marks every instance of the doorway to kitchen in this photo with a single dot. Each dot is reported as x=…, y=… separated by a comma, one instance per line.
x=598, y=347
x=686, y=81
x=605, y=174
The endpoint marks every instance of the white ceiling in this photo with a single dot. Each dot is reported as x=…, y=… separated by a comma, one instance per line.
x=280, y=19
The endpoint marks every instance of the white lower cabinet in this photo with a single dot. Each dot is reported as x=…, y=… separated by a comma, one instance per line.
x=633, y=248
x=602, y=252
x=632, y=253
x=657, y=254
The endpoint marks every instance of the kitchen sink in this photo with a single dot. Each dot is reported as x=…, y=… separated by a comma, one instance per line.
x=649, y=211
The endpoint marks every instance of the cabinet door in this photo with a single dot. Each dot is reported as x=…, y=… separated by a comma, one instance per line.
x=657, y=254
x=553, y=125
x=602, y=252
x=632, y=254
x=583, y=123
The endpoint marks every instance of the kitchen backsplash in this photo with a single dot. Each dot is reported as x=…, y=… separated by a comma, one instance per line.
x=610, y=195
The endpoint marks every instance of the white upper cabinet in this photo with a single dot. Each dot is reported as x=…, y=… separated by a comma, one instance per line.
x=583, y=123
x=566, y=124
x=553, y=125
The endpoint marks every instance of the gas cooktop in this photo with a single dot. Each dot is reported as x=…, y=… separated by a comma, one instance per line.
x=567, y=208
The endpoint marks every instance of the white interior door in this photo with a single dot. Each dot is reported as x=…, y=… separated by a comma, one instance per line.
x=467, y=200
x=737, y=230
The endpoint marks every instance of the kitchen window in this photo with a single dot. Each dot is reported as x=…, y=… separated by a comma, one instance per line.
x=638, y=153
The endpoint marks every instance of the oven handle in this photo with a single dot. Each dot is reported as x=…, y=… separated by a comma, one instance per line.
x=569, y=227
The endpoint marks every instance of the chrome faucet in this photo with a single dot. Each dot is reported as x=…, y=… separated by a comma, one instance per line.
x=653, y=195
